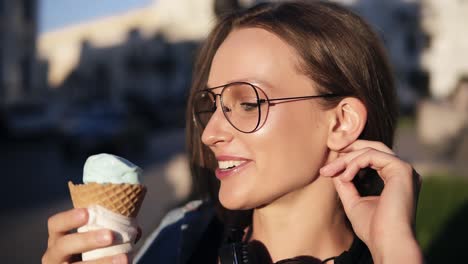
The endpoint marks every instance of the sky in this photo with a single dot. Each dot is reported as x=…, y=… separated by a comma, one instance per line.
x=54, y=14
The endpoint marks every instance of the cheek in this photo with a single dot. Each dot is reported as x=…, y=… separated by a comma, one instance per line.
x=288, y=152
x=295, y=145
x=300, y=132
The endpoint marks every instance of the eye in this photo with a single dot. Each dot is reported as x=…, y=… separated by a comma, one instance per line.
x=246, y=106
x=226, y=109
x=204, y=102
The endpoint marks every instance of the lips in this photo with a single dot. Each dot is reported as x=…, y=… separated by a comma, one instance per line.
x=228, y=166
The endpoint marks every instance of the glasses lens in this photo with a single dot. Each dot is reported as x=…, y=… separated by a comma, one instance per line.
x=241, y=106
x=204, y=106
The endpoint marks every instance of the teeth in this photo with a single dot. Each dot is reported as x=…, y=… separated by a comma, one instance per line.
x=227, y=164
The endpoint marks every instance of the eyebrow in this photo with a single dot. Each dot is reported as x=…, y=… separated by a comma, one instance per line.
x=255, y=81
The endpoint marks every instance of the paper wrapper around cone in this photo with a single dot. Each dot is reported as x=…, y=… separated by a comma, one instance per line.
x=124, y=199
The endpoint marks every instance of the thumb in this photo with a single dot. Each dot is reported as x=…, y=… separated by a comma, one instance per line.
x=348, y=194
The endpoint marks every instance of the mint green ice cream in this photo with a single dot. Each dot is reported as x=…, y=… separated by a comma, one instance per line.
x=107, y=168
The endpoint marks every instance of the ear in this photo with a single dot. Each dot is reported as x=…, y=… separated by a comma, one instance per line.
x=349, y=118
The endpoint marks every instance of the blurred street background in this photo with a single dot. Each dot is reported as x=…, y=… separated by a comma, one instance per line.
x=84, y=77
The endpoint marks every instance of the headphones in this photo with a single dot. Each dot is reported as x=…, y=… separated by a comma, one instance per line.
x=235, y=251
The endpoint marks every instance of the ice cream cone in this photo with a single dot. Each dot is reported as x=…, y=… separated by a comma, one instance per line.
x=124, y=199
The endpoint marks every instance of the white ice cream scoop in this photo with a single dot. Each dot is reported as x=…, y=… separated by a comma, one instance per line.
x=110, y=182
x=108, y=168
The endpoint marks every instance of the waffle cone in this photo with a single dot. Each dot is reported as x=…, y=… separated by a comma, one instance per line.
x=124, y=199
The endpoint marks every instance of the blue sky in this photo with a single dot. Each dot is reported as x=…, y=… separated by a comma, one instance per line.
x=54, y=14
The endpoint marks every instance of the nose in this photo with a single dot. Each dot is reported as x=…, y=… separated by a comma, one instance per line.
x=218, y=129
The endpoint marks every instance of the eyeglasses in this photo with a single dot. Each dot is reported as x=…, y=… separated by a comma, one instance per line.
x=244, y=105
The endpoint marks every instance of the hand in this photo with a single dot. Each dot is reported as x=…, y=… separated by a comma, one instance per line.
x=384, y=223
x=65, y=247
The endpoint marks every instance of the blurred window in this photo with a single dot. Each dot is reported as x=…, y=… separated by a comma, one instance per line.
x=29, y=10
x=2, y=87
x=411, y=43
x=26, y=74
x=1, y=59
x=102, y=82
x=427, y=40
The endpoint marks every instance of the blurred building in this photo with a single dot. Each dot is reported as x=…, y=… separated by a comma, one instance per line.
x=148, y=71
x=182, y=20
x=425, y=39
x=19, y=69
x=445, y=56
x=397, y=22
x=406, y=27
x=443, y=120
x=138, y=62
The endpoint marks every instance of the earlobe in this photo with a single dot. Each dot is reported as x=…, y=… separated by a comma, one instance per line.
x=349, y=120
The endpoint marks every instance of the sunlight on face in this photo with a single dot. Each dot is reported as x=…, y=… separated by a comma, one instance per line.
x=289, y=149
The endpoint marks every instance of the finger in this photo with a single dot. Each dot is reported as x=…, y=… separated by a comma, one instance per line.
x=357, y=148
x=117, y=259
x=361, y=144
x=80, y=242
x=339, y=165
x=347, y=192
x=351, y=164
x=49, y=258
x=351, y=199
x=62, y=223
x=376, y=160
x=388, y=167
x=350, y=152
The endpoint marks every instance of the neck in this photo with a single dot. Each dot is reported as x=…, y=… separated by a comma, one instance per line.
x=306, y=222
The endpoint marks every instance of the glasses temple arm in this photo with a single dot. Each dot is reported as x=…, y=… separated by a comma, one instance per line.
x=298, y=97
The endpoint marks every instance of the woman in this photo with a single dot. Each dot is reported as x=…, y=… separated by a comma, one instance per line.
x=291, y=120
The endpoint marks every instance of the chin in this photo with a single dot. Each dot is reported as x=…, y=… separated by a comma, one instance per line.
x=240, y=200
x=235, y=200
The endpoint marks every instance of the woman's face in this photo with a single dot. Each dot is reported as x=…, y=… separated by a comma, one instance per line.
x=285, y=154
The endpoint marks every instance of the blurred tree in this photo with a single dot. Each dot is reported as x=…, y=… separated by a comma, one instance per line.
x=449, y=245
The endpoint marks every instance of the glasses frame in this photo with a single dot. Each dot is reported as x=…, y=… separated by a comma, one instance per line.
x=271, y=102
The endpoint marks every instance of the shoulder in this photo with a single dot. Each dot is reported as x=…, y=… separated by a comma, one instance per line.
x=164, y=243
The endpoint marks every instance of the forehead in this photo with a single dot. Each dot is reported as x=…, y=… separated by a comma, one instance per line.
x=255, y=55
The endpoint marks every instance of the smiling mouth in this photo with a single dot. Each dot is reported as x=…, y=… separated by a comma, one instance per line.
x=229, y=164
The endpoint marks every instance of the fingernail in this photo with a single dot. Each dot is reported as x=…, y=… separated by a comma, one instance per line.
x=324, y=170
x=104, y=237
x=81, y=214
x=119, y=259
